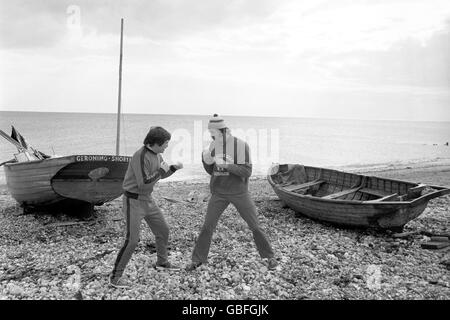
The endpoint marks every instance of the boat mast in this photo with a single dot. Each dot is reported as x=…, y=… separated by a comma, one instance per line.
x=120, y=89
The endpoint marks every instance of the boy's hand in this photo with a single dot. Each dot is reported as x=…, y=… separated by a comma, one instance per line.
x=164, y=166
x=178, y=165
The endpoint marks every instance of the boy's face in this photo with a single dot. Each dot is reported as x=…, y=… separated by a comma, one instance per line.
x=160, y=148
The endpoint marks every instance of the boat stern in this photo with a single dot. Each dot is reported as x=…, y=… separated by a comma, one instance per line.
x=95, y=179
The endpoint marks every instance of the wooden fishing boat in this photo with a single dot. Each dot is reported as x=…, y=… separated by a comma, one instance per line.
x=350, y=199
x=84, y=179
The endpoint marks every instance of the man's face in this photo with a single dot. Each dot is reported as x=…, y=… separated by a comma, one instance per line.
x=160, y=148
x=215, y=133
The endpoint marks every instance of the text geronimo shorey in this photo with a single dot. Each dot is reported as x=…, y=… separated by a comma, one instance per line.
x=102, y=158
x=231, y=309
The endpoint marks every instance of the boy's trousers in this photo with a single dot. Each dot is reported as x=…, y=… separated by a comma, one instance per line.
x=135, y=210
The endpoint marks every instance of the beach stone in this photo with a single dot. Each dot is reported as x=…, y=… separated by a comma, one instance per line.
x=283, y=294
x=45, y=283
x=245, y=287
x=327, y=291
x=228, y=296
x=236, y=278
x=15, y=289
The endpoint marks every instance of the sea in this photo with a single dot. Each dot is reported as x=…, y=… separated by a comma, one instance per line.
x=334, y=143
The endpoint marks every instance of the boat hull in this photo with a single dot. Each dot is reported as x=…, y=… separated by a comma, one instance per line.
x=352, y=214
x=357, y=208
x=93, y=179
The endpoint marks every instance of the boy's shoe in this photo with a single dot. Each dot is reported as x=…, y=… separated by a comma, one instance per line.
x=119, y=283
x=166, y=266
x=193, y=265
x=272, y=263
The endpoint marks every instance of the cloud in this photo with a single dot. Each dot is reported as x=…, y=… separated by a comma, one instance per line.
x=30, y=23
x=339, y=27
x=408, y=62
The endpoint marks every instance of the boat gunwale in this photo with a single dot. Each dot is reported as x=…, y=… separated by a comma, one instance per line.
x=13, y=164
x=70, y=157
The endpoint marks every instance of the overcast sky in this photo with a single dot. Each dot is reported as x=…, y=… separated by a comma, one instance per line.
x=334, y=59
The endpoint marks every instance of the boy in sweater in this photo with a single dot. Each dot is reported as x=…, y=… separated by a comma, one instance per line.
x=145, y=168
x=227, y=160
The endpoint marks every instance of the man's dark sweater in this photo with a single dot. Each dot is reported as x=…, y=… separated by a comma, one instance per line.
x=233, y=177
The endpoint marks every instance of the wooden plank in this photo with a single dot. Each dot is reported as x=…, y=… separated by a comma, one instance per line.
x=386, y=198
x=340, y=193
x=270, y=198
x=303, y=186
x=420, y=187
x=433, y=234
x=405, y=234
x=373, y=192
x=435, y=245
x=73, y=223
x=440, y=239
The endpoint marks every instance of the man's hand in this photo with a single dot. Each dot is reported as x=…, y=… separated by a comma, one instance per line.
x=206, y=155
x=211, y=146
x=222, y=165
x=164, y=166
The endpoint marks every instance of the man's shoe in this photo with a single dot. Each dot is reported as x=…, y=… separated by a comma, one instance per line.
x=193, y=265
x=166, y=266
x=119, y=283
x=272, y=263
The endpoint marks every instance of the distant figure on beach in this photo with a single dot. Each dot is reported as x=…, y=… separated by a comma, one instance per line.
x=146, y=167
x=228, y=162
x=446, y=144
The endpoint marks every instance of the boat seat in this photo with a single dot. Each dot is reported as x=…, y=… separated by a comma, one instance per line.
x=416, y=191
x=340, y=193
x=373, y=192
x=386, y=198
x=295, y=187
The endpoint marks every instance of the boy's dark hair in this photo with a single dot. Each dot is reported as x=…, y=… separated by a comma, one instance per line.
x=157, y=135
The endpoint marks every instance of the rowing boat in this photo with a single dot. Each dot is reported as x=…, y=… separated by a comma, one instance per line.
x=351, y=199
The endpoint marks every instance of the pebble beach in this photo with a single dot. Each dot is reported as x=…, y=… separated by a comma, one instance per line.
x=63, y=257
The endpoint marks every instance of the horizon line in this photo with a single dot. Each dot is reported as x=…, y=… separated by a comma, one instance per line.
x=227, y=115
